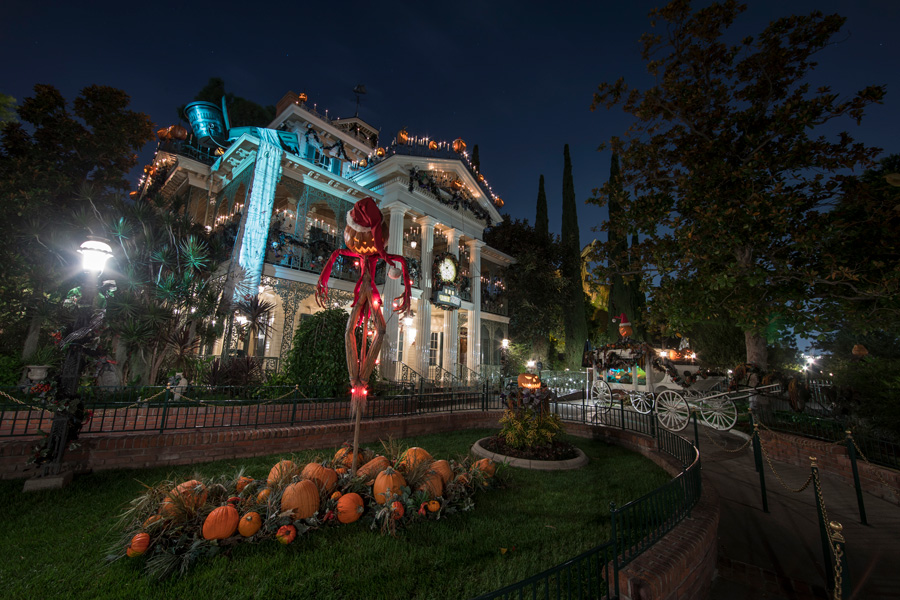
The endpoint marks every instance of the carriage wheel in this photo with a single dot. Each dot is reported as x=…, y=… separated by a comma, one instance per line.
x=719, y=413
x=672, y=410
x=641, y=402
x=601, y=396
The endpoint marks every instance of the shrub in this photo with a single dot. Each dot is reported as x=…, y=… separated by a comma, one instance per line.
x=317, y=356
x=10, y=370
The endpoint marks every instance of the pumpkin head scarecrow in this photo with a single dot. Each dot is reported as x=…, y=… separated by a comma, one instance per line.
x=365, y=235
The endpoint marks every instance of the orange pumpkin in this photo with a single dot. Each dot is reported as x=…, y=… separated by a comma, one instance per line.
x=286, y=534
x=397, y=509
x=373, y=467
x=363, y=242
x=529, y=380
x=433, y=484
x=151, y=520
x=349, y=508
x=412, y=457
x=341, y=471
x=250, y=524
x=302, y=97
x=302, y=498
x=432, y=145
x=177, y=132
x=379, y=152
x=263, y=496
x=402, y=137
x=344, y=457
x=388, y=484
x=459, y=146
x=242, y=483
x=486, y=466
x=433, y=506
x=336, y=495
x=221, y=523
x=190, y=494
x=139, y=544
x=285, y=469
x=324, y=477
x=442, y=468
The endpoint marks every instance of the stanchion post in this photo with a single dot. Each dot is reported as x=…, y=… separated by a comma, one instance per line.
x=757, y=456
x=753, y=425
x=842, y=580
x=851, y=452
x=696, y=434
x=823, y=531
x=165, y=409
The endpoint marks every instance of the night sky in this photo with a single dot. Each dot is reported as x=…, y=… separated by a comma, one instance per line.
x=516, y=78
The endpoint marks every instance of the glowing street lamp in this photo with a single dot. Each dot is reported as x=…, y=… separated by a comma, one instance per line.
x=94, y=254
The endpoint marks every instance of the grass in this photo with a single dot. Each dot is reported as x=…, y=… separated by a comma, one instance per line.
x=54, y=543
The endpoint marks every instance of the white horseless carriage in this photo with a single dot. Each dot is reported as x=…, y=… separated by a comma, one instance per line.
x=649, y=380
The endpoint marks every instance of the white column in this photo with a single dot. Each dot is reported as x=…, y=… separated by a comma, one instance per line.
x=423, y=323
x=392, y=289
x=451, y=317
x=474, y=348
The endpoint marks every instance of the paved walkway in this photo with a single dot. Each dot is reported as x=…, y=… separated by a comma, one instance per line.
x=779, y=554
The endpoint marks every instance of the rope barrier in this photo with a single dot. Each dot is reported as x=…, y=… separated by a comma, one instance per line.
x=835, y=551
x=778, y=476
x=877, y=471
x=721, y=447
x=25, y=403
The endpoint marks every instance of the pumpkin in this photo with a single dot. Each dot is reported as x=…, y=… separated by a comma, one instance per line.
x=324, y=477
x=302, y=498
x=302, y=97
x=459, y=146
x=221, y=523
x=433, y=484
x=363, y=242
x=286, y=534
x=402, y=137
x=529, y=381
x=397, y=510
x=442, y=468
x=250, y=524
x=242, y=483
x=139, y=544
x=336, y=495
x=151, y=520
x=177, y=132
x=433, y=506
x=373, y=467
x=349, y=508
x=283, y=470
x=486, y=466
x=412, y=457
x=498, y=202
x=234, y=500
x=163, y=133
x=388, y=484
x=379, y=152
x=341, y=471
x=432, y=145
x=263, y=496
x=344, y=457
x=190, y=494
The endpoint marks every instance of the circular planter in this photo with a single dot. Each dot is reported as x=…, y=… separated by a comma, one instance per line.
x=526, y=463
x=37, y=372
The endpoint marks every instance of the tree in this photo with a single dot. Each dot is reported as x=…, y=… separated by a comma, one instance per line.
x=573, y=295
x=541, y=220
x=60, y=167
x=533, y=286
x=724, y=169
x=317, y=360
x=476, y=160
x=7, y=109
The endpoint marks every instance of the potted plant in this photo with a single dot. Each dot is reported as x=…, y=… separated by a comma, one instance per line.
x=41, y=361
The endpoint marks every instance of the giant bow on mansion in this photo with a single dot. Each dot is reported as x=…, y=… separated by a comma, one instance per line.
x=289, y=187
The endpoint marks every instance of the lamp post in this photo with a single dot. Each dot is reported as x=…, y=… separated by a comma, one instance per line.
x=504, y=359
x=94, y=254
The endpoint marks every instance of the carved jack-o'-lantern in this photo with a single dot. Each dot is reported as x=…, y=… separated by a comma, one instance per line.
x=529, y=381
x=402, y=137
x=379, y=152
x=458, y=145
x=363, y=242
x=177, y=132
x=498, y=202
x=457, y=184
x=302, y=97
x=432, y=145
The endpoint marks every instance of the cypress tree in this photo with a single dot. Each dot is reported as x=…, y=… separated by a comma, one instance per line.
x=476, y=160
x=573, y=301
x=541, y=221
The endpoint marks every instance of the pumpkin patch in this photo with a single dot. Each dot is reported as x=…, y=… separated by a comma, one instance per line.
x=182, y=517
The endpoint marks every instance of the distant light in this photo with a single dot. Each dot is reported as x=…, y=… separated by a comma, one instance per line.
x=504, y=343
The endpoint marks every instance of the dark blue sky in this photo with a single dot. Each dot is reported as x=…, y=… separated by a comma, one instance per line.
x=516, y=78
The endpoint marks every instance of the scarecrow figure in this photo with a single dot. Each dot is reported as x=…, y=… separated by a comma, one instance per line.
x=365, y=235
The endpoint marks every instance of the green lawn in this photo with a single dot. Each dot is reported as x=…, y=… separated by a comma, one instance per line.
x=54, y=543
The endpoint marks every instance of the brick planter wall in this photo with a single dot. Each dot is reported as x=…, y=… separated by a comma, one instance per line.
x=832, y=459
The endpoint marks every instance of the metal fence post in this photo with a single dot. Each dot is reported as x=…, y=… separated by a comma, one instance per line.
x=753, y=425
x=851, y=452
x=621, y=410
x=757, y=456
x=842, y=586
x=294, y=403
x=165, y=409
x=615, y=543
